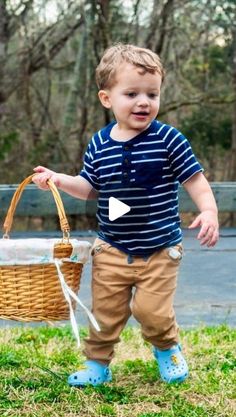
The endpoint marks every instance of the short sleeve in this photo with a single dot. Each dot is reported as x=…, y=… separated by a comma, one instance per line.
x=182, y=159
x=88, y=171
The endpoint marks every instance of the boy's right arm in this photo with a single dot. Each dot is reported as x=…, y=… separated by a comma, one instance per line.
x=76, y=186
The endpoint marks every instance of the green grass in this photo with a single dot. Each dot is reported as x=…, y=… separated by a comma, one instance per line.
x=35, y=363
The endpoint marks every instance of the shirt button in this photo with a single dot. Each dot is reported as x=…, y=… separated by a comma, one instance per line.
x=126, y=148
x=125, y=174
x=126, y=161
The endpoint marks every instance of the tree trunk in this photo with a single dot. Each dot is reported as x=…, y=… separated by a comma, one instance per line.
x=232, y=162
x=75, y=90
x=3, y=47
x=233, y=168
x=158, y=25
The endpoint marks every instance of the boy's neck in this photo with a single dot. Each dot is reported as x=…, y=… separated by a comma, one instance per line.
x=123, y=135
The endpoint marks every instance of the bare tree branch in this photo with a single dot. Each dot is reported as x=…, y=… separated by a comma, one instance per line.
x=50, y=42
x=195, y=101
x=4, y=21
x=38, y=52
x=16, y=19
x=158, y=24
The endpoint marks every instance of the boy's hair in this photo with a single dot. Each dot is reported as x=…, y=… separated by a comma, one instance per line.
x=117, y=54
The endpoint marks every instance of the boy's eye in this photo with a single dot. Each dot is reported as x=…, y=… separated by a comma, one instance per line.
x=152, y=95
x=131, y=94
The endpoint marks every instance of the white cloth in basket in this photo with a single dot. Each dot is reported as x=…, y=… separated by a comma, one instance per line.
x=38, y=251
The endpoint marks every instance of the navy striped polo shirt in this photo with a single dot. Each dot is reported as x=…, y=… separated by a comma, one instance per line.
x=144, y=173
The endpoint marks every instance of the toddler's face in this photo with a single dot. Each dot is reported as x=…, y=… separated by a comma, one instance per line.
x=134, y=98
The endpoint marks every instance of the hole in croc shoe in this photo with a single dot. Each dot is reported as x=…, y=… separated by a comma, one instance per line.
x=90, y=379
x=75, y=377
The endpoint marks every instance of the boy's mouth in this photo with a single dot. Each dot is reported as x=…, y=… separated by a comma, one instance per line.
x=141, y=113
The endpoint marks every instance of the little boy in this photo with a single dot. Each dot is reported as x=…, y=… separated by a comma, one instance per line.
x=139, y=161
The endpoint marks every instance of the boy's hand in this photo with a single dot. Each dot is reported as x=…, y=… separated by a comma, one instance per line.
x=209, y=232
x=43, y=175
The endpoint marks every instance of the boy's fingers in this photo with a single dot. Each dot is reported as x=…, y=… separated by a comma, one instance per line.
x=214, y=239
x=39, y=169
x=41, y=180
x=203, y=231
x=209, y=237
x=195, y=223
x=208, y=234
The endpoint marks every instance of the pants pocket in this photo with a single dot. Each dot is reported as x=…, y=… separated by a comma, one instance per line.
x=98, y=247
x=175, y=252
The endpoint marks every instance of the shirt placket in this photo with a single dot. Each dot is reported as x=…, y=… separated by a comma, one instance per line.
x=126, y=163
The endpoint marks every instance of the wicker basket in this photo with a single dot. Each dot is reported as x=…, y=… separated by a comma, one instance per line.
x=33, y=292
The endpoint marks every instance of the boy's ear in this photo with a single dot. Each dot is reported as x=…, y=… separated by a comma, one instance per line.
x=104, y=98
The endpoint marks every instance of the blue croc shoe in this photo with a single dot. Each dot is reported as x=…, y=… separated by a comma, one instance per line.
x=172, y=365
x=93, y=373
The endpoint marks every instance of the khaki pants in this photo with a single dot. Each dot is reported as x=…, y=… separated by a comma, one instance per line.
x=144, y=288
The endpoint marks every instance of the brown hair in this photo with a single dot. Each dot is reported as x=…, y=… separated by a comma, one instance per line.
x=117, y=54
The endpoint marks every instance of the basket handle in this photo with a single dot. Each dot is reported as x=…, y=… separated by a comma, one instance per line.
x=65, y=228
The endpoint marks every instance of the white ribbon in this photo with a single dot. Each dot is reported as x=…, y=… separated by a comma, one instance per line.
x=69, y=294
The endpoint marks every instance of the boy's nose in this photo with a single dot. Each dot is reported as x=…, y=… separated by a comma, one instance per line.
x=143, y=101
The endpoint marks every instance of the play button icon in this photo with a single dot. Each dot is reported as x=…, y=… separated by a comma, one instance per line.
x=117, y=208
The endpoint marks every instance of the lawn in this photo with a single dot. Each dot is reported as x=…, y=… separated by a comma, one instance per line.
x=35, y=363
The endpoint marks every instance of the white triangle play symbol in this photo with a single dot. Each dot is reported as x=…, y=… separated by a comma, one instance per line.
x=117, y=208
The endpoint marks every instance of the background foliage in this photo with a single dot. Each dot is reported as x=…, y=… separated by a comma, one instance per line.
x=49, y=50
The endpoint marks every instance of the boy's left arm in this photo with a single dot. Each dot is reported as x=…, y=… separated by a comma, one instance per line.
x=200, y=192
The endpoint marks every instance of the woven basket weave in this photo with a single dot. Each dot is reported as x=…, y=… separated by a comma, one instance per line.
x=33, y=292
